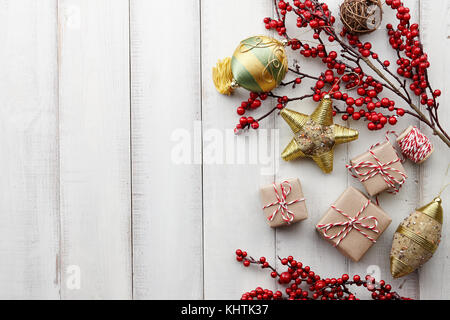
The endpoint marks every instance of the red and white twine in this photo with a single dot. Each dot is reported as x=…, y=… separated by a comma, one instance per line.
x=286, y=214
x=415, y=145
x=356, y=223
x=377, y=167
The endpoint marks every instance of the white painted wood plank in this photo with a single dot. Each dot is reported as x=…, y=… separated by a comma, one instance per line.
x=397, y=206
x=167, y=182
x=94, y=148
x=29, y=218
x=320, y=190
x=233, y=216
x=434, y=275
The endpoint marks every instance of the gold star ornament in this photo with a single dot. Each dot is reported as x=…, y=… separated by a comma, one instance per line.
x=315, y=136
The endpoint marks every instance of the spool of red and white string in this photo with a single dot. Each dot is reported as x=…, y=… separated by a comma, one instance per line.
x=415, y=145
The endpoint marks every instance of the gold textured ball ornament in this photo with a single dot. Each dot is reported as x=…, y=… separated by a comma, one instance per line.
x=416, y=239
x=315, y=136
x=258, y=64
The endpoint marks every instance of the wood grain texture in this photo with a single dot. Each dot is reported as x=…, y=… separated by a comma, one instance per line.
x=320, y=190
x=232, y=209
x=29, y=217
x=434, y=275
x=94, y=127
x=166, y=150
x=119, y=157
x=397, y=206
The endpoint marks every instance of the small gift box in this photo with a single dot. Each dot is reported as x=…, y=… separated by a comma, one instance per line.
x=379, y=169
x=283, y=203
x=353, y=224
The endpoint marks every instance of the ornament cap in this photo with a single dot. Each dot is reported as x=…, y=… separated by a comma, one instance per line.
x=433, y=210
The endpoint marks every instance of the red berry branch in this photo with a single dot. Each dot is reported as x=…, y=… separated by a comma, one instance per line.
x=314, y=287
x=346, y=72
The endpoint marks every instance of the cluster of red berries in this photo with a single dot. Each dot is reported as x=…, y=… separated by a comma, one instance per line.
x=414, y=66
x=253, y=102
x=311, y=13
x=308, y=15
x=315, y=287
x=361, y=94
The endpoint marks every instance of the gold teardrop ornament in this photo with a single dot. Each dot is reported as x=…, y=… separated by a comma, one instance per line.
x=315, y=136
x=258, y=64
x=416, y=238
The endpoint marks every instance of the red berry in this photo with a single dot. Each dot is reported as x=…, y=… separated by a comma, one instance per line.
x=255, y=125
x=385, y=102
x=255, y=104
x=365, y=53
x=337, y=95
x=320, y=84
x=361, y=91
x=285, y=277
x=240, y=111
x=320, y=285
x=372, y=93
x=253, y=95
x=371, y=126
x=392, y=120
x=400, y=112
x=356, y=116
x=246, y=263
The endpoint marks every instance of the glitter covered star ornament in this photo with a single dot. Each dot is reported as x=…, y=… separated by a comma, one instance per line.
x=315, y=136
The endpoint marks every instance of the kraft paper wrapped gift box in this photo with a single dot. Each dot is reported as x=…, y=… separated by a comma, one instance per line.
x=283, y=206
x=338, y=229
x=376, y=184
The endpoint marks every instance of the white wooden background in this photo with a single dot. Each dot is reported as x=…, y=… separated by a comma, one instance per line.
x=95, y=95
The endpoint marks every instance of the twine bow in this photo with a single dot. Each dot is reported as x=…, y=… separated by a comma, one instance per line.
x=380, y=168
x=286, y=214
x=356, y=223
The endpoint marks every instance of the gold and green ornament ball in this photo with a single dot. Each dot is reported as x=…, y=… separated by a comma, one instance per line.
x=258, y=64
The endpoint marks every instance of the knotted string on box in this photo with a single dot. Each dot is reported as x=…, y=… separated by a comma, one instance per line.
x=286, y=214
x=356, y=223
x=377, y=167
